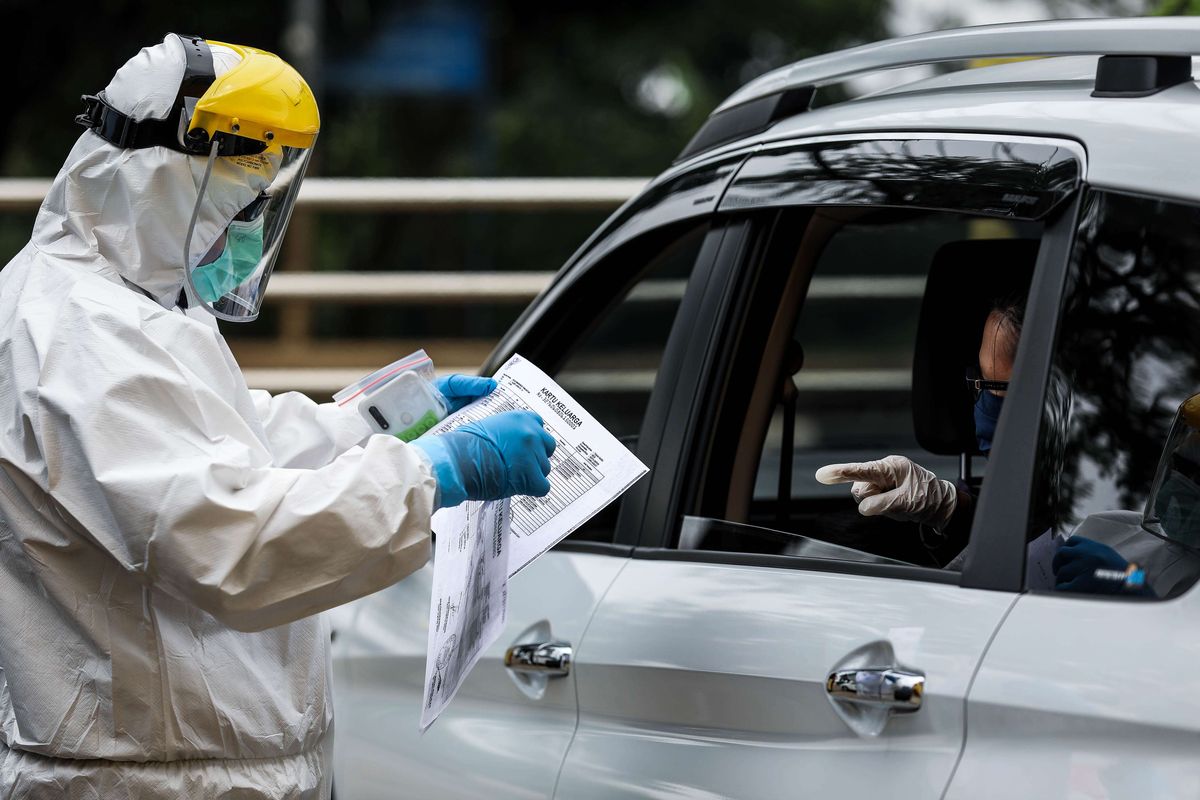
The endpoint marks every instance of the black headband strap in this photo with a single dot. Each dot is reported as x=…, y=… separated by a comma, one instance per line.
x=125, y=132
x=199, y=74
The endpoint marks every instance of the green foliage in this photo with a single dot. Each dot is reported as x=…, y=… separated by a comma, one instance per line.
x=569, y=103
x=60, y=53
x=562, y=91
x=1173, y=8
x=561, y=98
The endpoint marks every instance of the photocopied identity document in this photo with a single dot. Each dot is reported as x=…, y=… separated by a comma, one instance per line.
x=479, y=546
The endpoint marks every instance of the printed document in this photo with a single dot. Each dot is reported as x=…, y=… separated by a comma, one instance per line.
x=480, y=545
x=469, y=602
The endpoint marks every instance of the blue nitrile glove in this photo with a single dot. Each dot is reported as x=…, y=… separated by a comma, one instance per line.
x=496, y=457
x=1079, y=559
x=458, y=390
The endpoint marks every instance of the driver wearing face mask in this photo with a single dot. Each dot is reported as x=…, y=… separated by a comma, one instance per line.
x=899, y=488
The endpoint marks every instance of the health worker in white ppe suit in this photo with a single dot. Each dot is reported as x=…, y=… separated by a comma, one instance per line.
x=168, y=536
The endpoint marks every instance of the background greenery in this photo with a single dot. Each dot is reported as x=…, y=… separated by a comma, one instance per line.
x=557, y=95
x=590, y=88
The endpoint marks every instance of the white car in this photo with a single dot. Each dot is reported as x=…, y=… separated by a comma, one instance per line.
x=807, y=285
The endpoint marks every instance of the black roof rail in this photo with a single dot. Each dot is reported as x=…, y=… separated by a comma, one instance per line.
x=748, y=118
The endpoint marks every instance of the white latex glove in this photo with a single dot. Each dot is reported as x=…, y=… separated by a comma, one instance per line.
x=896, y=487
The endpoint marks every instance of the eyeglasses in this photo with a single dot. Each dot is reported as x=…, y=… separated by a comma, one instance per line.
x=977, y=383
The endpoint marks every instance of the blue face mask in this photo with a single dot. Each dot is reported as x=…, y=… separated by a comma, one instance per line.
x=237, y=262
x=987, y=414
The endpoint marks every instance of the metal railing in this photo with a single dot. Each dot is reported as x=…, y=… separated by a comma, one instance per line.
x=414, y=195
x=273, y=364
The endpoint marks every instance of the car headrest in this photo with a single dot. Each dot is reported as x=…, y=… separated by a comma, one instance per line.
x=966, y=280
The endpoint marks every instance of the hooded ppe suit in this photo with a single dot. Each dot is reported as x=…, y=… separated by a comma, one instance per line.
x=166, y=534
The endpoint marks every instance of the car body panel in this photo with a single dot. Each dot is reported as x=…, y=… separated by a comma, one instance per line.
x=1154, y=35
x=1084, y=697
x=703, y=674
x=1077, y=70
x=708, y=680
x=1116, y=132
x=471, y=750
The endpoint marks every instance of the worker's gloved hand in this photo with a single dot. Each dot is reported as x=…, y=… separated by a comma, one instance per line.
x=496, y=457
x=896, y=487
x=459, y=390
x=1089, y=567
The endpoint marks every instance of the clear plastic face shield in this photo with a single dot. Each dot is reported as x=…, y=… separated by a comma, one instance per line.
x=1173, y=507
x=254, y=126
x=254, y=195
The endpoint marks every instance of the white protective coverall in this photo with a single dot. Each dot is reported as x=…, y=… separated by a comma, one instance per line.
x=168, y=536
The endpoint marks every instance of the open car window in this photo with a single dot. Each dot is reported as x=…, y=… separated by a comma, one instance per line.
x=612, y=362
x=871, y=337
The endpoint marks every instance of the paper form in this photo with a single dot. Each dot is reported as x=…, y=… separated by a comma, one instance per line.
x=469, y=602
x=480, y=545
x=589, y=468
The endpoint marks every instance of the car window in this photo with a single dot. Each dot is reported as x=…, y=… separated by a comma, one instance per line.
x=611, y=368
x=875, y=333
x=1118, y=479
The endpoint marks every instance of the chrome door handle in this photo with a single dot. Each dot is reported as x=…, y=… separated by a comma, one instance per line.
x=551, y=659
x=891, y=688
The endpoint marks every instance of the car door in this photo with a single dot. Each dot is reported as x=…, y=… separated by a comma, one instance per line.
x=498, y=736
x=765, y=640
x=508, y=728
x=1089, y=689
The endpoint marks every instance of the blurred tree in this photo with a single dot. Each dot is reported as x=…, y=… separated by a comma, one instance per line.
x=66, y=53
x=599, y=89
x=596, y=90
x=619, y=87
x=1171, y=8
x=60, y=53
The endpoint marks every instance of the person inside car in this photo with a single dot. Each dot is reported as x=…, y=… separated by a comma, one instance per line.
x=898, y=487
x=1089, y=560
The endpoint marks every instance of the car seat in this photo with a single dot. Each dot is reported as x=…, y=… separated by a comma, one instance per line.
x=965, y=281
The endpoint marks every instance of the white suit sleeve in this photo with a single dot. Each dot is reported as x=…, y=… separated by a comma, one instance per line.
x=148, y=453
x=303, y=433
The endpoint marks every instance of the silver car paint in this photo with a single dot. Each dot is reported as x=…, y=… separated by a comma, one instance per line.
x=708, y=680
x=1143, y=145
x=495, y=740
x=1075, y=697
x=1083, y=697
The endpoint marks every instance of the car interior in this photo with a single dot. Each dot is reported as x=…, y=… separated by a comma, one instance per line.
x=826, y=370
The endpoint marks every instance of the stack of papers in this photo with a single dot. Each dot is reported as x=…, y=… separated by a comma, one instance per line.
x=480, y=545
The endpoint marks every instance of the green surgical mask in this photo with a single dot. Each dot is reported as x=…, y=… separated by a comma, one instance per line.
x=237, y=262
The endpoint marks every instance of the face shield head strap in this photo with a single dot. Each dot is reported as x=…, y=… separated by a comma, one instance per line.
x=123, y=131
